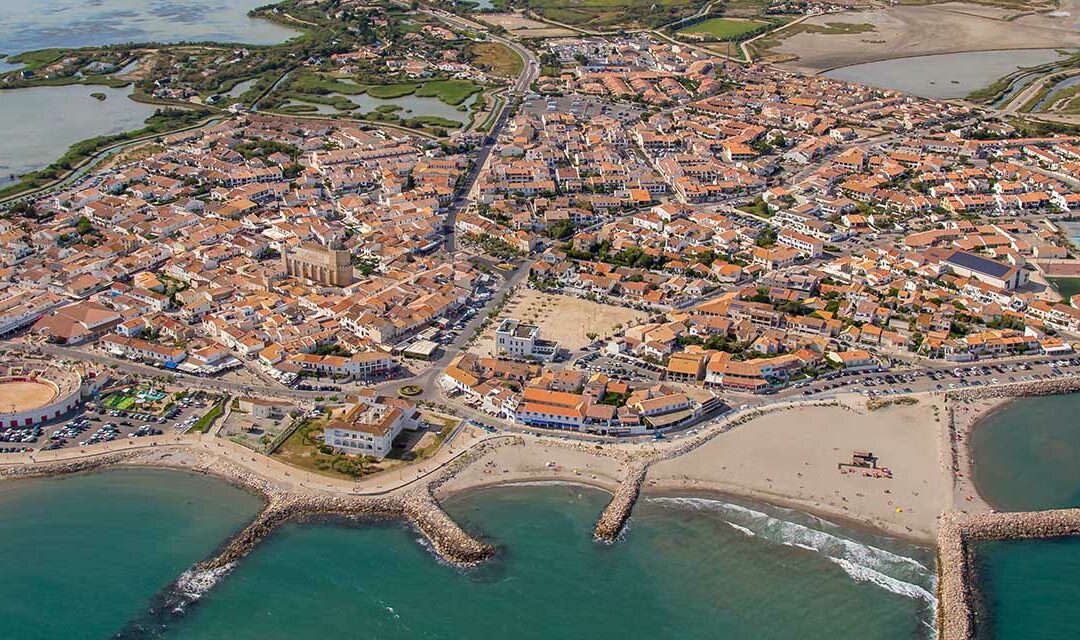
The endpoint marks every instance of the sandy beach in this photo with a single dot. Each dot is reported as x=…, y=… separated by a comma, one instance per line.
x=966, y=415
x=531, y=462
x=790, y=458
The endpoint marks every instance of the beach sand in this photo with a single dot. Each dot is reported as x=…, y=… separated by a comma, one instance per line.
x=967, y=414
x=790, y=458
x=529, y=463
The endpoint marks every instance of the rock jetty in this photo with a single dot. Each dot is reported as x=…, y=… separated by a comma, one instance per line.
x=956, y=583
x=617, y=512
x=1019, y=389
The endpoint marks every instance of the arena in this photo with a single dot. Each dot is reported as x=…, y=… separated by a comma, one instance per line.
x=34, y=392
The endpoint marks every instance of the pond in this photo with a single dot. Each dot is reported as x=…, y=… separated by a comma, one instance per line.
x=38, y=124
x=949, y=75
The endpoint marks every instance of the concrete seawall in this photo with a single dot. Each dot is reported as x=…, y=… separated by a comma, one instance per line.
x=956, y=584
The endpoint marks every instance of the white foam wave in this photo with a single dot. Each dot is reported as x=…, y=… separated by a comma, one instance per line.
x=743, y=529
x=860, y=573
x=798, y=535
x=193, y=584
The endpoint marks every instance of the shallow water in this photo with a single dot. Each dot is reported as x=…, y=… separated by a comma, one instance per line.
x=1026, y=454
x=81, y=554
x=949, y=75
x=687, y=569
x=41, y=24
x=38, y=124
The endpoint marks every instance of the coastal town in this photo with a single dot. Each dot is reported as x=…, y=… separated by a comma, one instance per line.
x=623, y=260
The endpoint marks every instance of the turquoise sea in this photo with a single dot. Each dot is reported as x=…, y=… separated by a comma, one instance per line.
x=1026, y=459
x=1026, y=454
x=79, y=555
x=688, y=568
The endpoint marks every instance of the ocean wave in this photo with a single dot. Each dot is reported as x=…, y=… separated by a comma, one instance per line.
x=737, y=527
x=193, y=584
x=860, y=573
x=799, y=535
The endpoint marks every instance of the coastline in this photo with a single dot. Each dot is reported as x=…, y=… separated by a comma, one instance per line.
x=828, y=513
x=966, y=418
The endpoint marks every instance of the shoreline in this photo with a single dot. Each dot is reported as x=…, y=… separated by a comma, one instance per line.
x=821, y=511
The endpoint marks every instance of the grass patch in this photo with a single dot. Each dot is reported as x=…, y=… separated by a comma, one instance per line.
x=305, y=450
x=836, y=28
x=497, y=58
x=452, y=92
x=391, y=91
x=609, y=13
x=203, y=424
x=725, y=28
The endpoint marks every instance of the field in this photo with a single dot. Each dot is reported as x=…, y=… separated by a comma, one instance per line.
x=523, y=27
x=723, y=28
x=610, y=13
x=565, y=319
x=496, y=58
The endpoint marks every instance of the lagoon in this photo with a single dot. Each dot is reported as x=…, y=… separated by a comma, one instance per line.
x=38, y=124
x=41, y=24
x=949, y=75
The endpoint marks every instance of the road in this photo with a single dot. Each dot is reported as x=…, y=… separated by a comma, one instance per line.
x=529, y=72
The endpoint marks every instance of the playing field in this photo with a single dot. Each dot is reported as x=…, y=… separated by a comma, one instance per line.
x=23, y=396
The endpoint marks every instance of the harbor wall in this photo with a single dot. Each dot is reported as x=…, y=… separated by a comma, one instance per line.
x=957, y=581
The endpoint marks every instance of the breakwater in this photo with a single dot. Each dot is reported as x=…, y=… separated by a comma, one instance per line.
x=617, y=512
x=956, y=581
x=1052, y=387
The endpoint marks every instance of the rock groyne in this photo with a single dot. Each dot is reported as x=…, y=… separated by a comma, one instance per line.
x=956, y=532
x=447, y=538
x=617, y=512
x=1052, y=387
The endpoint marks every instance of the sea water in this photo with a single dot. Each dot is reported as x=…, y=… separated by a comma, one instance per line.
x=80, y=554
x=687, y=568
x=1026, y=459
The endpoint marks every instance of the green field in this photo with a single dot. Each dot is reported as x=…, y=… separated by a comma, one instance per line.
x=121, y=401
x=609, y=13
x=724, y=28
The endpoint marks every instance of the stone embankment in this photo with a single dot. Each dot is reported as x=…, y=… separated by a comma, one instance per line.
x=617, y=512
x=447, y=538
x=451, y=542
x=1019, y=389
x=956, y=584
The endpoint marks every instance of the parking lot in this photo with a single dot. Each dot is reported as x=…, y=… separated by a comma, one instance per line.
x=584, y=108
x=873, y=384
x=97, y=422
x=621, y=366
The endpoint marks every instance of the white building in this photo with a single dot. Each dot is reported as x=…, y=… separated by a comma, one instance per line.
x=369, y=426
x=520, y=341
